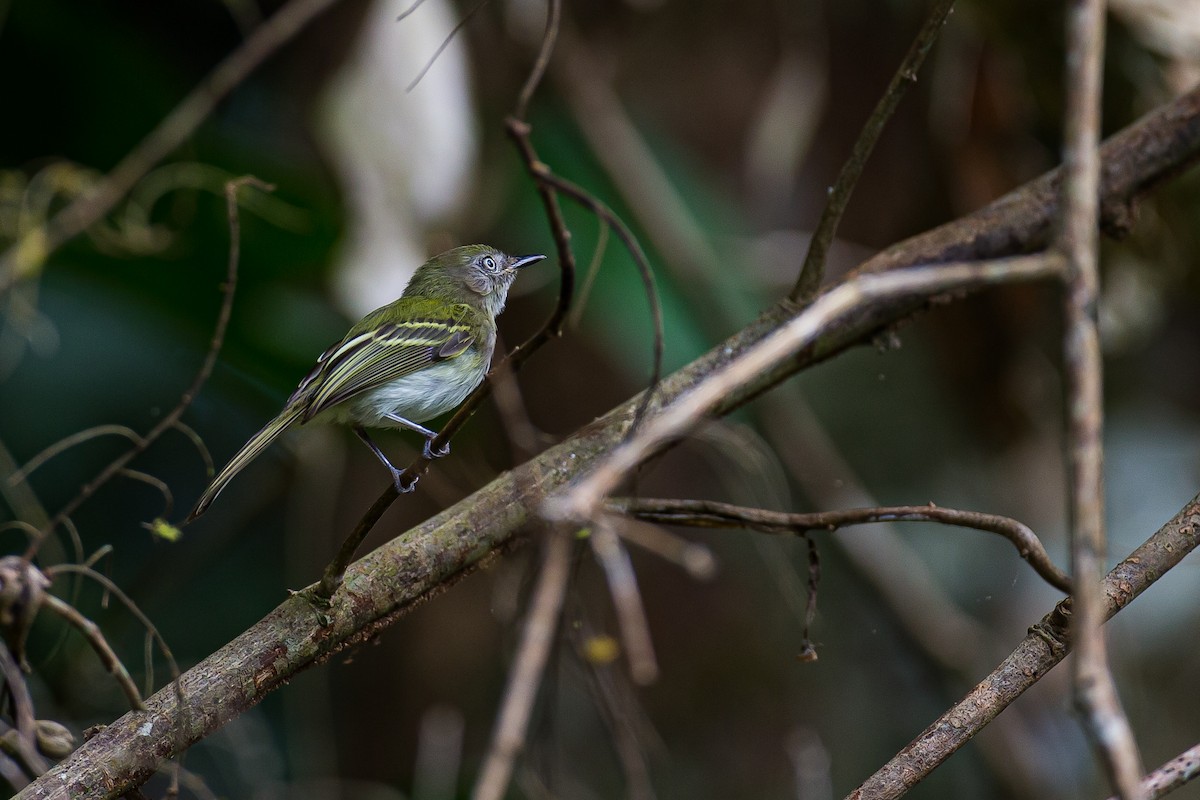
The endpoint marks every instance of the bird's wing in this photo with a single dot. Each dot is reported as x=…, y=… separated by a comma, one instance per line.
x=371, y=358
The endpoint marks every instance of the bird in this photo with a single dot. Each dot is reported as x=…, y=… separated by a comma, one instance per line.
x=402, y=364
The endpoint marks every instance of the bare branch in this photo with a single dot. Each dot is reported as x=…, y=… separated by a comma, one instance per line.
x=631, y=613
x=710, y=514
x=95, y=638
x=1094, y=687
x=525, y=679
x=590, y=202
x=445, y=42
x=813, y=269
x=18, y=692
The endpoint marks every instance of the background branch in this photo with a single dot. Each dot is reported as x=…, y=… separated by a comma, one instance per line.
x=712, y=514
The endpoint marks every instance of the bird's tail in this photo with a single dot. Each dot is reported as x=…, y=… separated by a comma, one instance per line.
x=258, y=442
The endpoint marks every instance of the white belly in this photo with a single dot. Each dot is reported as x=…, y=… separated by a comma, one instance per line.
x=417, y=397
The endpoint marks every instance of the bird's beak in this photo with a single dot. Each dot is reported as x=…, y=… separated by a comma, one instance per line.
x=525, y=261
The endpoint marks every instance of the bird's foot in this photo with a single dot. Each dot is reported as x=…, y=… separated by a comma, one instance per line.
x=398, y=481
x=431, y=454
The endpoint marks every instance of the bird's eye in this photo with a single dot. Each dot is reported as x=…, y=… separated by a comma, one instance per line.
x=489, y=264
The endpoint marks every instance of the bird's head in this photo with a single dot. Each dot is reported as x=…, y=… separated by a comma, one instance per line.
x=476, y=274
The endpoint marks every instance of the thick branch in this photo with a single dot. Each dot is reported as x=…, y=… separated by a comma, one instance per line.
x=399, y=575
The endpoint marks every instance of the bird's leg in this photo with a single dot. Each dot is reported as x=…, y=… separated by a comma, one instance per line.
x=429, y=435
x=396, y=473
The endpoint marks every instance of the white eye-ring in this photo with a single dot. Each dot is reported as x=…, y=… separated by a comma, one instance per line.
x=489, y=264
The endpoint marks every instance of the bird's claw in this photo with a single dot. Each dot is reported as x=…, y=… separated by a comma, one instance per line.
x=431, y=454
x=398, y=482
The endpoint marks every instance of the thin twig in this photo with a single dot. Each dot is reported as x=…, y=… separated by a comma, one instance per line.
x=445, y=42
x=155, y=482
x=133, y=608
x=711, y=514
x=627, y=599
x=538, y=635
x=582, y=502
x=813, y=270
x=26, y=257
x=416, y=4
x=18, y=692
x=1094, y=687
x=617, y=704
x=170, y=421
x=549, y=39
x=67, y=442
x=693, y=557
x=606, y=214
x=91, y=631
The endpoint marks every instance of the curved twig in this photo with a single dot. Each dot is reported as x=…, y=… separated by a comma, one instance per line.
x=26, y=257
x=172, y=417
x=711, y=514
x=18, y=692
x=606, y=214
x=445, y=42
x=67, y=442
x=92, y=633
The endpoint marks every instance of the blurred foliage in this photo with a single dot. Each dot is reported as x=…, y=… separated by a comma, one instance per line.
x=966, y=413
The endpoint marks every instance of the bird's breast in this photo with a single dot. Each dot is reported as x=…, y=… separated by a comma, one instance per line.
x=420, y=396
